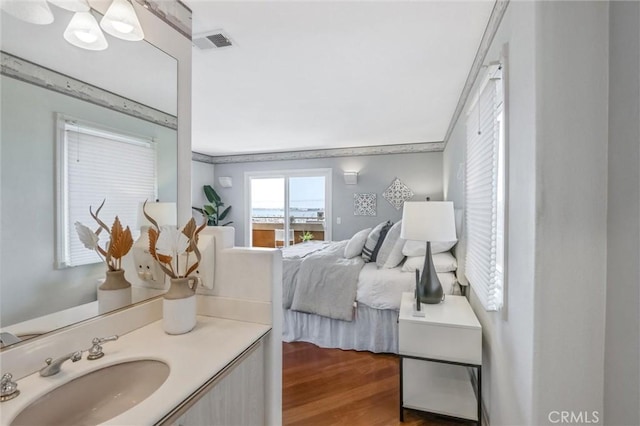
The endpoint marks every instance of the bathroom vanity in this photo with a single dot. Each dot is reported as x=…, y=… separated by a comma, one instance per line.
x=226, y=371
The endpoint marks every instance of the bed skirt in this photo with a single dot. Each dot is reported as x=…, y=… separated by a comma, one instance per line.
x=374, y=330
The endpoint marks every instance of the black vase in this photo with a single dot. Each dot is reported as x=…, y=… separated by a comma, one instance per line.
x=429, y=288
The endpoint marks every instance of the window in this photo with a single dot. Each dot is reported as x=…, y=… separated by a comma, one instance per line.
x=485, y=191
x=96, y=164
x=293, y=203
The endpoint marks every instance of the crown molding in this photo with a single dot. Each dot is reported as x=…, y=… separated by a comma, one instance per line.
x=322, y=153
x=23, y=70
x=490, y=31
x=174, y=13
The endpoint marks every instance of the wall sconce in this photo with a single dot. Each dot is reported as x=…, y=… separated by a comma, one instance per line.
x=225, y=181
x=350, y=178
x=120, y=20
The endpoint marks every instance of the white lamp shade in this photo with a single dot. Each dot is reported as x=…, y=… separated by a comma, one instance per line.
x=165, y=214
x=72, y=5
x=83, y=31
x=122, y=22
x=32, y=11
x=428, y=221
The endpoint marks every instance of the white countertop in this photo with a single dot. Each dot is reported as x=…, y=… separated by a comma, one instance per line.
x=193, y=358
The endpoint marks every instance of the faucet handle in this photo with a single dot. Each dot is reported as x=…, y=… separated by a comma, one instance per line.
x=95, y=352
x=8, y=388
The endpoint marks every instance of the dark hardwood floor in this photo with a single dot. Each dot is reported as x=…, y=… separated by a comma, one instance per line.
x=336, y=387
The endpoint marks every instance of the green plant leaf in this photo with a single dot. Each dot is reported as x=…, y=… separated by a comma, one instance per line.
x=208, y=192
x=224, y=213
x=198, y=209
x=228, y=223
x=209, y=209
x=211, y=194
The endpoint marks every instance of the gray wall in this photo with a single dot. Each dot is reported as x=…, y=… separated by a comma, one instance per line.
x=420, y=172
x=622, y=349
x=544, y=350
x=571, y=83
x=201, y=175
x=31, y=286
x=508, y=376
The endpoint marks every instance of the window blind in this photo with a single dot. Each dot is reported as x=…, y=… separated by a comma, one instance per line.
x=484, y=240
x=101, y=165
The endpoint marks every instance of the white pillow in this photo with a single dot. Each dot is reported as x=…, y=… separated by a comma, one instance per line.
x=419, y=248
x=356, y=243
x=443, y=262
x=390, y=253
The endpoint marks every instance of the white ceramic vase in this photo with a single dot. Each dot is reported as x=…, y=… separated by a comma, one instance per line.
x=114, y=293
x=179, y=306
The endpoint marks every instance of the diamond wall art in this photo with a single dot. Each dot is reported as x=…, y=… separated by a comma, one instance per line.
x=364, y=204
x=397, y=193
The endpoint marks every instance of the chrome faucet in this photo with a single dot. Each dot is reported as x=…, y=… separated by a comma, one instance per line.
x=7, y=339
x=53, y=366
x=95, y=351
x=8, y=388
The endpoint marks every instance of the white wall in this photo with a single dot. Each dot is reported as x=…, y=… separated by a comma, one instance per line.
x=420, y=172
x=508, y=335
x=544, y=350
x=622, y=348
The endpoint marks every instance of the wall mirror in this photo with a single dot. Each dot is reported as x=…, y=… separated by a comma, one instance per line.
x=131, y=87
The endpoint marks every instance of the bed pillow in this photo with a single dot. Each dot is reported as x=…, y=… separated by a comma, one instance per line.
x=390, y=253
x=443, y=262
x=374, y=240
x=419, y=248
x=356, y=244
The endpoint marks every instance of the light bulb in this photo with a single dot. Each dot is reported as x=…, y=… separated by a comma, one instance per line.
x=122, y=27
x=85, y=36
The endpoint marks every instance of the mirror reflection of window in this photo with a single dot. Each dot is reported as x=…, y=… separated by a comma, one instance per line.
x=96, y=165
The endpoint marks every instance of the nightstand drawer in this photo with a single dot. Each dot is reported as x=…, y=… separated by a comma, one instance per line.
x=440, y=342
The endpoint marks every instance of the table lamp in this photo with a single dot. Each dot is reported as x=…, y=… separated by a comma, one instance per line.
x=428, y=221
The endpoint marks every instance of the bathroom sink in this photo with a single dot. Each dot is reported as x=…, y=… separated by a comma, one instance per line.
x=97, y=396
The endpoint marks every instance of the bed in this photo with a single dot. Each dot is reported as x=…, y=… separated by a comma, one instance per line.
x=338, y=302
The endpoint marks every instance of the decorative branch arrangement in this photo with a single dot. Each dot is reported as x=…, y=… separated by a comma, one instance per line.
x=119, y=244
x=167, y=245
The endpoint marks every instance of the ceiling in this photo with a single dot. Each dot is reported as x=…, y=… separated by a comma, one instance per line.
x=330, y=74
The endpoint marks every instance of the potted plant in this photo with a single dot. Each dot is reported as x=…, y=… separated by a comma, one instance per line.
x=306, y=236
x=213, y=212
x=115, y=291
x=172, y=247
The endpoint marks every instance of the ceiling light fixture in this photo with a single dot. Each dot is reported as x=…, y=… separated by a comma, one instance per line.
x=83, y=31
x=122, y=22
x=34, y=11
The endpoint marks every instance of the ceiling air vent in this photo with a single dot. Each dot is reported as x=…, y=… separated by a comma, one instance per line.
x=212, y=40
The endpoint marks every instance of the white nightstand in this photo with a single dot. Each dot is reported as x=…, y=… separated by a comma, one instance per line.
x=434, y=353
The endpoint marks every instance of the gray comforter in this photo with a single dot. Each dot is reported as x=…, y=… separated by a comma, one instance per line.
x=322, y=283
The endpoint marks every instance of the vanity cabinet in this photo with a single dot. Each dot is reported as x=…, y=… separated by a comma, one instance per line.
x=235, y=396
